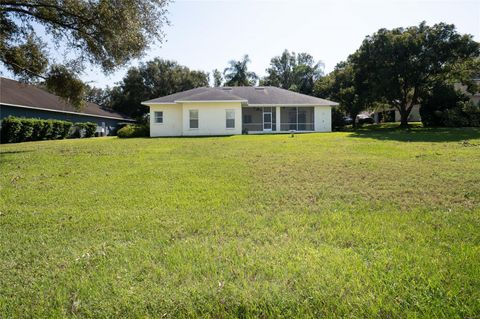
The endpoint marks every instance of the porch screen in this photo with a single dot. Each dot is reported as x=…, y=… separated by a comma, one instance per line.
x=297, y=118
x=253, y=119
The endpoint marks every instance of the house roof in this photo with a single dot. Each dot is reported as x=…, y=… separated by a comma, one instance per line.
x=25, y=95
x=267, y=95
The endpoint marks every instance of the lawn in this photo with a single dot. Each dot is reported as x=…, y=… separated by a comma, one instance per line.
x=373, y=223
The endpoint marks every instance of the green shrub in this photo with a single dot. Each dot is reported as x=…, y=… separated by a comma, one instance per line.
x=78, y=130
x=338, y=119
x=84, y=129
x=90, y=129
x=38, y=130
x=447, y=106
x=47, y=130
x=26, y=130
x=57, y=128
x=11, y=127
x=133, y=131
x=21, y=129
x=66, y=129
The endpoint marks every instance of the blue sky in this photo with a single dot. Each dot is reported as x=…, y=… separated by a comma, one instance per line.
x=205, y=35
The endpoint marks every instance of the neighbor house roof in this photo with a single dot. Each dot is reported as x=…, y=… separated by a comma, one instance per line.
x=264, y=95
x=19, y=94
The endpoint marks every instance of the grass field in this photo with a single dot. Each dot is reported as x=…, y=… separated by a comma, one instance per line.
x=373, y=223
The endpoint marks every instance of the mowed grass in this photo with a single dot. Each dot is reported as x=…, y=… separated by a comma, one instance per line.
x=374, y=223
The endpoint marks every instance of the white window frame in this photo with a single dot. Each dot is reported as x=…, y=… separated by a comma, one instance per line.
x=227, y=112
x=190, y=118
x=155, y=117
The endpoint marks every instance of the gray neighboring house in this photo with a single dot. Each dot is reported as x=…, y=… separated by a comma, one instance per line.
x=28, y=101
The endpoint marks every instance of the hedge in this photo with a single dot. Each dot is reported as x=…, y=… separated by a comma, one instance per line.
x=15, y=130
x=133, y=131
x=86, y=129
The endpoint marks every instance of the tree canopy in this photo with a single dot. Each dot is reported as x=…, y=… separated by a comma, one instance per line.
x=150, y=80
x=291, y=71
x=400, y=66
x=339, y=85
x=237, y=74
x=104, y=33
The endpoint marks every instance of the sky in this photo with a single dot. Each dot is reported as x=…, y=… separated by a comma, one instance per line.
x=204, y=35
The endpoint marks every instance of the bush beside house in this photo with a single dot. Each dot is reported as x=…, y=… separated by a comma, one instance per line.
x=133, y=131
x=15, y=130
x=86, y=129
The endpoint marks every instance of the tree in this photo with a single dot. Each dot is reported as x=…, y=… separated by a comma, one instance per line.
x=97, y=95
x=399, y=66
x=237, y=74
x=217, y=78
x=339, y=86
x=151, y=80
x=447, y=106
x=293, y=72
x=104, y=33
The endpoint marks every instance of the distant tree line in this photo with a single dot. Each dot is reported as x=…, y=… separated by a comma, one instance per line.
x=392, y=69
x=161, y=77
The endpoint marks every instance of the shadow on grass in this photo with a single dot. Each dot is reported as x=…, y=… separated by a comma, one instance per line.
x=14, y=152
x=415, y=133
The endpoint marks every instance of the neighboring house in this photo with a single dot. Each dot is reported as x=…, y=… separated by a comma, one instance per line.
x=475, y=98
x=393, y=115
x=237, y=110
x=414, y=116
x=28, y=101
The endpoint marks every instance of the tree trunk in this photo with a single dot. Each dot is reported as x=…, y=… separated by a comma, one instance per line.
x=404, y=113
x=354, y=118
x=403, y=119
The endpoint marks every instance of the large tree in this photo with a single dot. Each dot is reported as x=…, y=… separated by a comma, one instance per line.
x=150, y=80
x=339, y=85
x=291, y=71
x=237, y=74
x=400, y=66
x=103, y=33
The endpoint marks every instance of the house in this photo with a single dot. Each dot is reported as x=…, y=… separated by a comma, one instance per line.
x=28, y=101
x=237, y=110
x=393, y=115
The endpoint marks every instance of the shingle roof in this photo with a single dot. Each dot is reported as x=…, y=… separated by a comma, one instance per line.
x=21, y=94
x=212, y=95
x=267, y=95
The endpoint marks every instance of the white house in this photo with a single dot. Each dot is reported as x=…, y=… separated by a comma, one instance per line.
x=237, y=110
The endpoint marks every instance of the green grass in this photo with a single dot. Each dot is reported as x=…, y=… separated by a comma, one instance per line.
x=372, y=223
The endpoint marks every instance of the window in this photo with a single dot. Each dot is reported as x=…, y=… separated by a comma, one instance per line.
x=158, y=117
x=193, y=118
x=230, y=123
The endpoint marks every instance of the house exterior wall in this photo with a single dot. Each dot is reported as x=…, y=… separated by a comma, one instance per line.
x=111, y=125
x=212, y=118
x=414, y=115
x=172, y=120
x=323, y=118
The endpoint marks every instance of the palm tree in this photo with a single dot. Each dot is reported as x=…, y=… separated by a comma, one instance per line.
x=237, y=73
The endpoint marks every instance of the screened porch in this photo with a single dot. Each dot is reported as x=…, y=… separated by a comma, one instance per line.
x=277, y=119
